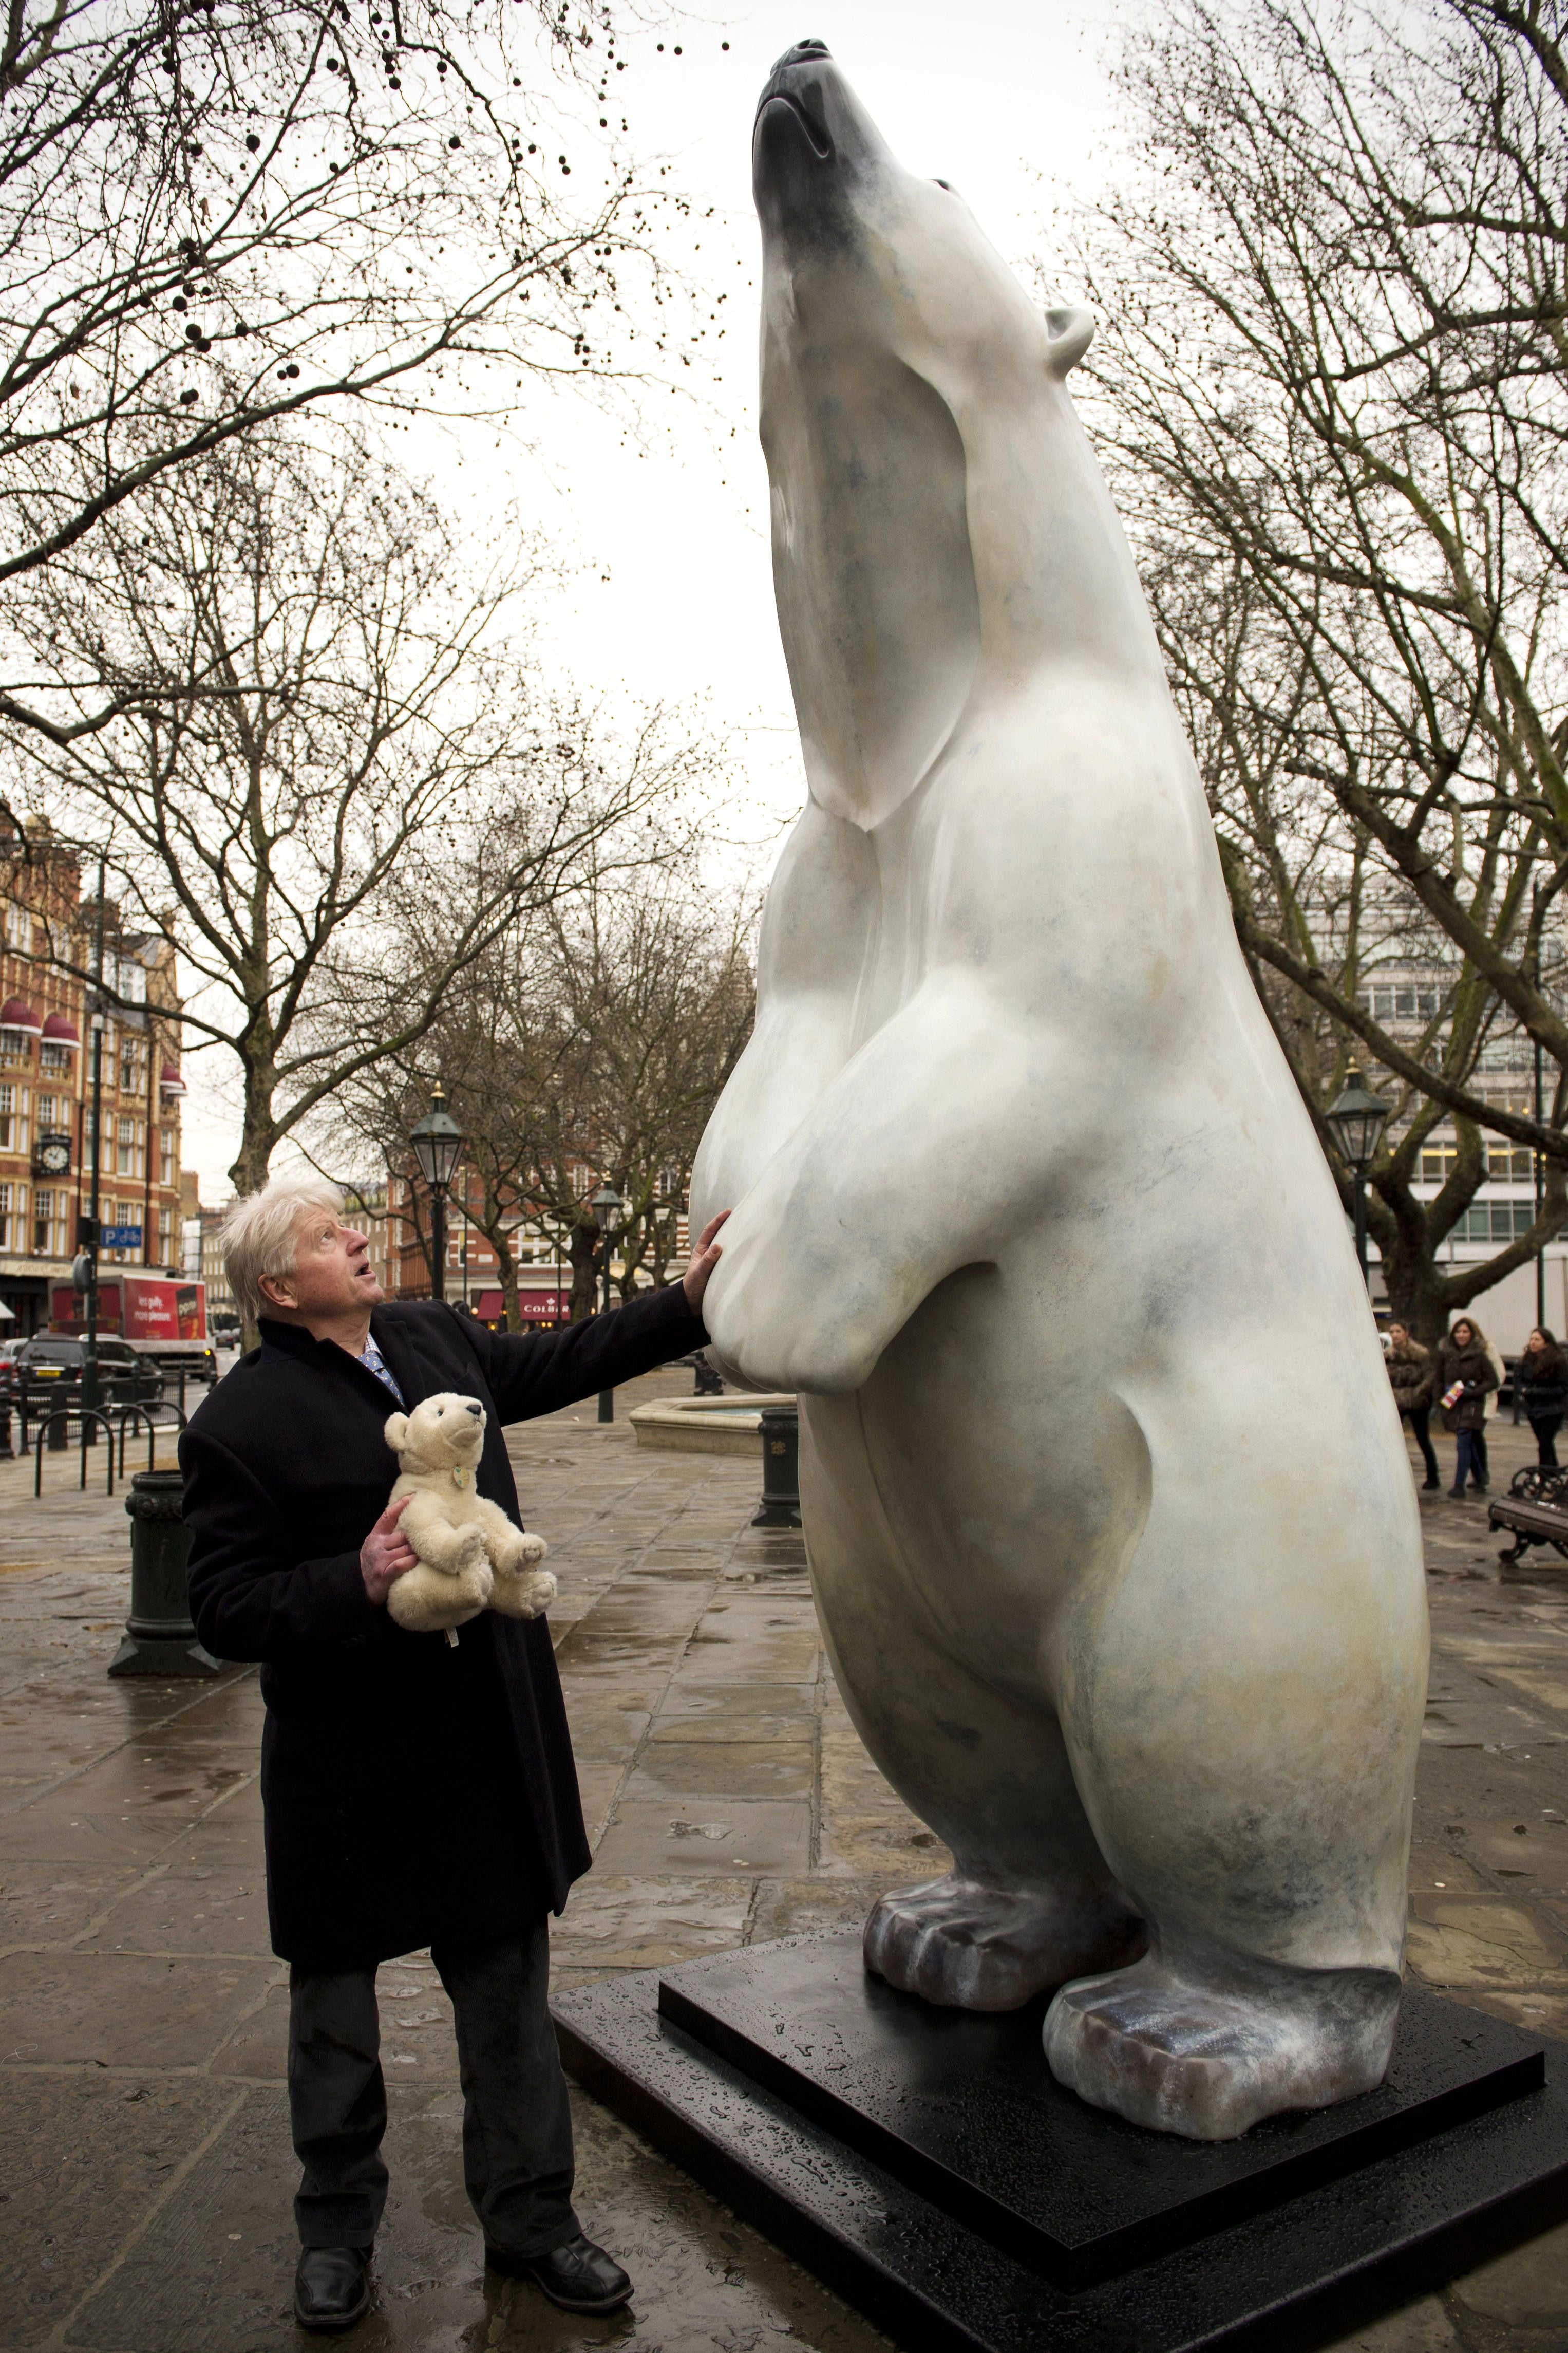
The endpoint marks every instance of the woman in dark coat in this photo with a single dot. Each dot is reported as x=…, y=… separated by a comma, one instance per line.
x=1543, y=1378
x=1411, y=1376
x=1465, y=1381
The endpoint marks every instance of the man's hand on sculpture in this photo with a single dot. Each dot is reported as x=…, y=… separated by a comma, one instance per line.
x=386, y=1553
x=704, y=1259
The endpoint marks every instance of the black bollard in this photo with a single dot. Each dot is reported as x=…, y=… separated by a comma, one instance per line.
x=160, y=1638
x=780, y=1507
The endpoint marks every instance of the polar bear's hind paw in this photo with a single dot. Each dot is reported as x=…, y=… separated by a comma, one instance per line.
x=971, y=1947
x=1209, y=2065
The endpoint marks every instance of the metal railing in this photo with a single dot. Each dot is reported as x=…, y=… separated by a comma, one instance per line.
x=85, y=1414
x=129, y=1413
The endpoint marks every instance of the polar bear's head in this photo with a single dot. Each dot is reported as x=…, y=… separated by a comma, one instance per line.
x=910, y=388
x=443, y=1433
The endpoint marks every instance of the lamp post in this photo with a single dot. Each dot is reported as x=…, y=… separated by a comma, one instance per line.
x=1355, y=1119
x=437, y=1141
x=606, y=1206
x=90, y=1228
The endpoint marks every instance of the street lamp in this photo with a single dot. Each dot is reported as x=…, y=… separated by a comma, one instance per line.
x=606, y=1206
x=437, y=1141
x=1355, y=1119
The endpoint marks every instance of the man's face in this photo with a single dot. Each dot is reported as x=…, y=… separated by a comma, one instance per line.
x=331, y=1273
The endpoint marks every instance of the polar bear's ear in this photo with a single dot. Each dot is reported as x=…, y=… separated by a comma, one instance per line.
x=1071, y=331
x=395, y=1432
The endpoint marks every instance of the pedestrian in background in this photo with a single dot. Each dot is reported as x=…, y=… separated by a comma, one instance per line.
x=1465, y=1381
x=1412, y=1375
x=1491, y=1403
x=1541, y=1374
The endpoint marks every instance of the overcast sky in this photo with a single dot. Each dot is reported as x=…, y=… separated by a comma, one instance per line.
x=670, y=595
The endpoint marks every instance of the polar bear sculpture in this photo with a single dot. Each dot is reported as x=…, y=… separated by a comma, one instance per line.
x=1111, y=1525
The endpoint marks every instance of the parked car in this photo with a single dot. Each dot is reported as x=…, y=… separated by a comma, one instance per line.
x=49, y=1370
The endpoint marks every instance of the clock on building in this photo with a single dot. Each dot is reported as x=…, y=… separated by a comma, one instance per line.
x=52, y=1155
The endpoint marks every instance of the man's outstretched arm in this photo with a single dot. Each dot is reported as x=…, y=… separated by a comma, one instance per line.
x=534, y=1372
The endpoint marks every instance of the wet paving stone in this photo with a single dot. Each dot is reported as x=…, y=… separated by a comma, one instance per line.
x=144, y=2200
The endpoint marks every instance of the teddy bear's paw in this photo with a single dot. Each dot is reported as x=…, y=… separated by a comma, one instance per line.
x=1209, y=2061
x=526, y=1596
x=514, y=1553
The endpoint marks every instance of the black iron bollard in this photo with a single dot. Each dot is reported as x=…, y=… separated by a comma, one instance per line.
x=780, y=1508
x=160, y=1638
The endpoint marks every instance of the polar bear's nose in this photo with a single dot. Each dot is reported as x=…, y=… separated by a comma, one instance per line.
x=476, y=1410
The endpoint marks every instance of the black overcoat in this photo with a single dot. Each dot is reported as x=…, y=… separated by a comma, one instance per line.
x=413, y=1791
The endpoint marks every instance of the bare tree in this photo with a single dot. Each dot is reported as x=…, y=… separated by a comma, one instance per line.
x=1321, y=920
x=332, y=748
x=217, y=213
x=590, y=1040
x=1334, y=292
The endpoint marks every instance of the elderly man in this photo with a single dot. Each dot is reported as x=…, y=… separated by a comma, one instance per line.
x=415, y=1792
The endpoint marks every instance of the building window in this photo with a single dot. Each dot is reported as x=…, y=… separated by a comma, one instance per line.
x=128, y=1149
x=43, y=1223
x=166, y=1238
x=13, y=1119
x=18, y=929
x=1495, y=1221
x=1404, y=1002
x=53, y=1056
x=165, y=1155
x=45, y=1111
x=13, y=1217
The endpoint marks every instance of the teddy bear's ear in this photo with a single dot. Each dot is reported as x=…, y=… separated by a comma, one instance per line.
x=395, y=1432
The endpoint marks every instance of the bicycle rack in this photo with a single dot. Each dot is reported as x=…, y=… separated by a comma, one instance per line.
x=64, y=1413
x=145, y=1413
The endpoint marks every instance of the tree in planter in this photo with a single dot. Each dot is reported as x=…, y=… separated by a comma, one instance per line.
x=216, y=213
x=330, y=750
x=1320, y=919
x=1335, y=302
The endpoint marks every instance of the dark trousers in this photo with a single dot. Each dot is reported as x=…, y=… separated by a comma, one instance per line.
x=1419, y=1416
x=517, y=2126
x=1479, y=1448
x=1546, y=1426
x=1471, y=1463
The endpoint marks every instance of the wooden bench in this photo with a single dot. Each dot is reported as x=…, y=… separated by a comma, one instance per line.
x=1534, y=1510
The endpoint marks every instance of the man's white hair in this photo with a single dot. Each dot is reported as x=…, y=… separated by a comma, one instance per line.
x=260, y=1235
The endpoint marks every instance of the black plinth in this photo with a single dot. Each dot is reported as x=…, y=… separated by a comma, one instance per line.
x=926, y=2164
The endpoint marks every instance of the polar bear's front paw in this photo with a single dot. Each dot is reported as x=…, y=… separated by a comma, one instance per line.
x=957, y=1941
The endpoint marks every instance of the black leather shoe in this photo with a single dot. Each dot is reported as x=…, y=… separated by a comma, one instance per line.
x=579, y=2276
x=332, y=2288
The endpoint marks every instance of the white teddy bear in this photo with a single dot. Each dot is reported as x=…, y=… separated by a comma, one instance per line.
x=471, y=1557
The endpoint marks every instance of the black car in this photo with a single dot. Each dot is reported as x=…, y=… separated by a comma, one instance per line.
x=49, y=1374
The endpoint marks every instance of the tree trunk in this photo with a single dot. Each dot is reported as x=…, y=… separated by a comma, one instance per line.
x=585, y=1248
